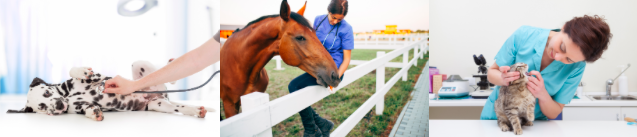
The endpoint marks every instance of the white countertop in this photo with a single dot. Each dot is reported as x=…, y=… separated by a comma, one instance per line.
x=583, y=101
x=489, y=128
x=134, y=123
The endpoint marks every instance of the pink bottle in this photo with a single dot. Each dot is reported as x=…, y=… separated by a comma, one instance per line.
x=432, y=71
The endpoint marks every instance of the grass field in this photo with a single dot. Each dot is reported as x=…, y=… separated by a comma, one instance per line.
x=337, y=107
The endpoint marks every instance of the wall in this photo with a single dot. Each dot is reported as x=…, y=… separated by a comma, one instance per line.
x=461, y=28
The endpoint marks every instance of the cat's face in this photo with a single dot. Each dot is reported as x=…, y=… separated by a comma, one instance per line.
x=523, y=69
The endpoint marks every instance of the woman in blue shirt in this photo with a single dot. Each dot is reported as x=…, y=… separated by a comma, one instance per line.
x=337, y=37
x=556, y=57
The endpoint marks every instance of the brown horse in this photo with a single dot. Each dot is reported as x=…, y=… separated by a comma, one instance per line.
x=246, y=52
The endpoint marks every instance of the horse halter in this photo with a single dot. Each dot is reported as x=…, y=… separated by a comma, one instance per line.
x=328, y=33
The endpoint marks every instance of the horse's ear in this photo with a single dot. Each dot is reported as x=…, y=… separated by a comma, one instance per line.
x=302, y=10
x=285, y=10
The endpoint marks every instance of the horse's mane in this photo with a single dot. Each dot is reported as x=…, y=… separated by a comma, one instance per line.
x=295, y=16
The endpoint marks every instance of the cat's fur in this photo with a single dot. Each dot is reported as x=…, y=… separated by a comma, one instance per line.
x=515, y=104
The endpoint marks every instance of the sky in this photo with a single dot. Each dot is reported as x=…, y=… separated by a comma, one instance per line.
x=363, y=15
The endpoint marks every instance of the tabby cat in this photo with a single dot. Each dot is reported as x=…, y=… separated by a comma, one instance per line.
x=515, y=104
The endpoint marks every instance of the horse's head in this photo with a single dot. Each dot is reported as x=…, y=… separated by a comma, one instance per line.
x=300, y=47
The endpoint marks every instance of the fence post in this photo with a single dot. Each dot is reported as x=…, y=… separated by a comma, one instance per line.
x=405, y=62
x=380, y=82
x=421, y=48
x=376, y=36
x=416, y=55
x=253, y=100
x=278, y=63
x=365, y=37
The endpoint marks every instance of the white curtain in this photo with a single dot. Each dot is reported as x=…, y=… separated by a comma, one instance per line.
x=46, y=38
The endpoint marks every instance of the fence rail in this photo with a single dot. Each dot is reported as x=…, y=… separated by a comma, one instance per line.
x=259, y=115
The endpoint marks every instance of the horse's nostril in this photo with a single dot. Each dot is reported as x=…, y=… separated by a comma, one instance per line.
x=334, y=75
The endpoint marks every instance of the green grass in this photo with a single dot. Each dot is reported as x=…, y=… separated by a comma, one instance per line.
x=337, y=107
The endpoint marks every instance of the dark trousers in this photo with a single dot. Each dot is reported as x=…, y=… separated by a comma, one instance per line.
x=312, y=122
x=303, y=81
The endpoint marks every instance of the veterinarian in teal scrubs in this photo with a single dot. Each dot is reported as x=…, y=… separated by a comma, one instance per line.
x=557, y=58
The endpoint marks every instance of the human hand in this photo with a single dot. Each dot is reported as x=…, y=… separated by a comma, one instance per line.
x=119, y=85
x=507, y=76
x=536, y=85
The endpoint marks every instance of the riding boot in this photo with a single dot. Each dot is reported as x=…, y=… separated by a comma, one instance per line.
x=307, y=117
x=324, y=125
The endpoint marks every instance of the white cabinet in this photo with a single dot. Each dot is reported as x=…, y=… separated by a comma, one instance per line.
x=593, y=113
x=629, y=112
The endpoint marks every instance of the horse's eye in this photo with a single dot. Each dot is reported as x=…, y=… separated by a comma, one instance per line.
x=300, y=38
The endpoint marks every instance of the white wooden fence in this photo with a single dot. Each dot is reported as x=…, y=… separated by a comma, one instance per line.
x=259, y=115
x=386, y=41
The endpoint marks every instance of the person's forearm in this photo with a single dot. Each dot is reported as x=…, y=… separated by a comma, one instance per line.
x=347, y=56
x=343, y=67
x=186, y=65
x=495, y=76
x=550, y=108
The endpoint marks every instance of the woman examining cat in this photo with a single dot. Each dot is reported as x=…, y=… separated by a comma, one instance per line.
x=557, y=58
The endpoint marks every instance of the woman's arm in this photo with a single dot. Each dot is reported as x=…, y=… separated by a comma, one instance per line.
x=549, y=107
x=500, y=75
x=186, y=65
x=347, y=56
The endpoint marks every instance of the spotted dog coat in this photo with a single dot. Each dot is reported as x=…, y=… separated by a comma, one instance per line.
x=515, y=105
x=82, y=94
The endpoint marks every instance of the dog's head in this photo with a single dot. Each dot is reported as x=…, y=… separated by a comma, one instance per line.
x=523, y=69
x=44, y=98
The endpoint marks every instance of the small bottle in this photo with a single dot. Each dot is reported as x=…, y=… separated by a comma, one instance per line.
x=622, y=83
x=580, y=89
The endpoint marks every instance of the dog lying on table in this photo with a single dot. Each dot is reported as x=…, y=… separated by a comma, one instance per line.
x=82, y=94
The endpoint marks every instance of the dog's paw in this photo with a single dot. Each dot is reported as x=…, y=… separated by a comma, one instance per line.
x=202, y=112
x=94, y=113
x=81, y=72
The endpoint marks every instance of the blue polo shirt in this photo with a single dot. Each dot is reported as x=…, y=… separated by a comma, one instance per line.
x=527, y=45
x=334, y=42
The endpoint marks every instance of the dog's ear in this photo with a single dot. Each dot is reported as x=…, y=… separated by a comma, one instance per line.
x=37, y=81
x=23, y=110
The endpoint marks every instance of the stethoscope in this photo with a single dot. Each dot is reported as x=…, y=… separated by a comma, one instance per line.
x=328, y=33
x=180, y=90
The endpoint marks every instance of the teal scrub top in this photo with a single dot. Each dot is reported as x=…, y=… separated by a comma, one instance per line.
x=527, y=45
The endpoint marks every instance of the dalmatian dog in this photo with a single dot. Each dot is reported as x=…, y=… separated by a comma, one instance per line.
x=82, y=94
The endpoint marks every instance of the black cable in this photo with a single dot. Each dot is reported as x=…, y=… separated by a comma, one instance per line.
x=181, y=90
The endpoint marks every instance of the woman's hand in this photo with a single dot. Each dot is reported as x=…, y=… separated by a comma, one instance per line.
x=536, y=86
x=507, y=76
x=119, y=85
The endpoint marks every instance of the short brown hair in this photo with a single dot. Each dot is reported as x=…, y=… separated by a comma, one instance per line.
x=591, y=34
x=338, y=7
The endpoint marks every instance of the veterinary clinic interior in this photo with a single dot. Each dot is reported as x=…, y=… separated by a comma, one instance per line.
x=466, y=36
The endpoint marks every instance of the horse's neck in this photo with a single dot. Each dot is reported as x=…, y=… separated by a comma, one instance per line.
x=261, y=45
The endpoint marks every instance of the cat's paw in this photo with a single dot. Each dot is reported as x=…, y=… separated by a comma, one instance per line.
x=528, y=123
x=81, y=72
x=517, y=132
x=505, y=128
